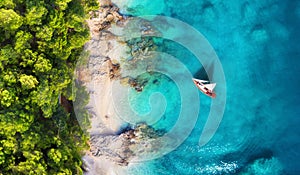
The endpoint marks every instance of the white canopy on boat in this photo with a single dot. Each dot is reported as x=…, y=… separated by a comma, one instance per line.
x=210, y=86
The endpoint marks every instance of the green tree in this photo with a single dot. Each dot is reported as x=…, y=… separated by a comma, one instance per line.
x=28, y=81
x=40, y=42
x=10, y=20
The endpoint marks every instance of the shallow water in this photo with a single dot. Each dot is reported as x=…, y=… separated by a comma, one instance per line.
x=256, y=42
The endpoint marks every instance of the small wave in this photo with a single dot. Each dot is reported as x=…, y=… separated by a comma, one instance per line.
x=219, y=168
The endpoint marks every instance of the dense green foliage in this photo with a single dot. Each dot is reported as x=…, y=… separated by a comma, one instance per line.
x=40, y=41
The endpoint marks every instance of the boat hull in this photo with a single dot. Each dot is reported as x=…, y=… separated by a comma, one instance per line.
x=201, y=87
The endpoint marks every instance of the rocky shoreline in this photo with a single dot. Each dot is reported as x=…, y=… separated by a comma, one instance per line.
x=113, y=142
x=122, y=148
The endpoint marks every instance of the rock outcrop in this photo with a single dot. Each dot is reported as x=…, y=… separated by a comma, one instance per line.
x=123, y=147
x=107, y=14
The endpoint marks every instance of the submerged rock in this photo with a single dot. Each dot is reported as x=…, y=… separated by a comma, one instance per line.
x=137, y=83
x=140, y=47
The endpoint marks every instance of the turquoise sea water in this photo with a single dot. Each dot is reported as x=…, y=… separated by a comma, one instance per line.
x=257, y=44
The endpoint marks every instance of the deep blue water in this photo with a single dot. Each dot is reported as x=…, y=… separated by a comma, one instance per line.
x=257, y=43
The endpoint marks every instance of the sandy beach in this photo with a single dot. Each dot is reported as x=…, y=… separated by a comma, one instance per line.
x=117, y=136
x=105, y=52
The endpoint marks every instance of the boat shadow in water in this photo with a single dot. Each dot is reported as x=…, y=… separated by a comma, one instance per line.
x=202, y=74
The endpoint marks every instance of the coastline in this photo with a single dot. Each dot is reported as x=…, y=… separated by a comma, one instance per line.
x=104, y=50
x=106, y=75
